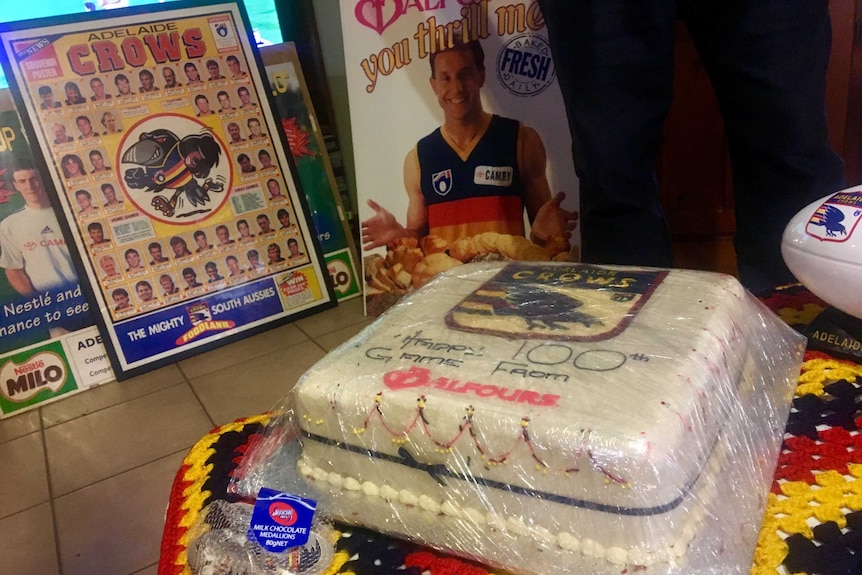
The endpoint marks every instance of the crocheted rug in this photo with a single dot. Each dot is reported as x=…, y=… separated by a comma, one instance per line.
x=813, y=520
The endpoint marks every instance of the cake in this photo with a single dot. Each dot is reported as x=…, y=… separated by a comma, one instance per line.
x=563, y=418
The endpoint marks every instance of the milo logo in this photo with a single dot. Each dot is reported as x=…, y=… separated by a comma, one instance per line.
x=20, y=382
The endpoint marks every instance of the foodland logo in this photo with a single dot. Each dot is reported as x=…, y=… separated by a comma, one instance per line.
x=283, y=513
x=21, y=382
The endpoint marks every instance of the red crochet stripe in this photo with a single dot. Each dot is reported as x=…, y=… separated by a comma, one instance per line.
x=835, y=450
x=170, y=548
x=437, y=565
x=811, y=354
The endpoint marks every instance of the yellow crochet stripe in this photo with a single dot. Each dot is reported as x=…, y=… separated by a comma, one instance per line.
x=818, y=373
x=804, y=316
x=197, y=473
x=788, y=514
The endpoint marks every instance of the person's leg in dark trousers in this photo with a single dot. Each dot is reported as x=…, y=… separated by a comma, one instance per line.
x=614, y=61
x=767, y=62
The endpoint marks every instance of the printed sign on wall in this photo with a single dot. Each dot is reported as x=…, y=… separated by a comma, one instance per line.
x=155, y=127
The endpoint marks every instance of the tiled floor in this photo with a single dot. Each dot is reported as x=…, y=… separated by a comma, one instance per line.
x=84, y=482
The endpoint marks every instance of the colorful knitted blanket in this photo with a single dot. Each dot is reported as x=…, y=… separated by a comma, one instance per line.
x=813, y=520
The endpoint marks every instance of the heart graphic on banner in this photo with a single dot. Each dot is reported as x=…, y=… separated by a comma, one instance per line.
x=378, y=14
x=405, y=379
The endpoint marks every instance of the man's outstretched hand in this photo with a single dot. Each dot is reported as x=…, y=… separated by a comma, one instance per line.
x=553, y=221
x=381, y=228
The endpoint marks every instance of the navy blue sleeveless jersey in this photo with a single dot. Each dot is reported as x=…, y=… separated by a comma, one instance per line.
x=483, y=193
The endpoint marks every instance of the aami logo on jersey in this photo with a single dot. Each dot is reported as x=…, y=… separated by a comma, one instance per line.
x=21, y=381
x=500, y=176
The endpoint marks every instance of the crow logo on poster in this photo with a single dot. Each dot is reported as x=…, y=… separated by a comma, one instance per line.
x=175, y=175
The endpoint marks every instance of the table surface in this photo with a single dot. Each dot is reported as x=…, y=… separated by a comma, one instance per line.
x=813, y=519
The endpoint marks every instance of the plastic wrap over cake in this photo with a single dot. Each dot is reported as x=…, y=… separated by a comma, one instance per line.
x=558, y=418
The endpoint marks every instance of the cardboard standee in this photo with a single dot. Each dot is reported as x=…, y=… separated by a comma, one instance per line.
x=423, y=207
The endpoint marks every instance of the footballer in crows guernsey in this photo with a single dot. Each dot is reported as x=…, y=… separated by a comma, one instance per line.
x=477, y=172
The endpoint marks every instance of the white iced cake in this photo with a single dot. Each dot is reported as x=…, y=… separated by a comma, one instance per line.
x=563, y=418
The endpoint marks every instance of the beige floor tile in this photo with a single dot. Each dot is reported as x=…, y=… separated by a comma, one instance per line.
x=19, y=425
x=344, y=314
x=240, y=351
x=115, y=526
x=109, y=394
x=23, y=478
x=332, y=340
x=27, y=543
x=254, y=386
x=113, y=440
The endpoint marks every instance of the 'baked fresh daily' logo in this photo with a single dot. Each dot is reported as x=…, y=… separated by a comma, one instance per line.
x=524, y=65
x=41, y=372
x=557, y=302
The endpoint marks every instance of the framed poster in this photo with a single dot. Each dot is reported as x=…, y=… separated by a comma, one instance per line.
x=150, y=123
x=460, y=139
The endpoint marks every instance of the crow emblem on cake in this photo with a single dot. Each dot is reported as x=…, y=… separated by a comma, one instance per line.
x=575, y=303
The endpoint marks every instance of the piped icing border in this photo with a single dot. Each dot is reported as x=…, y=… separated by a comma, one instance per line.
x=439, y=471
x=517, y=527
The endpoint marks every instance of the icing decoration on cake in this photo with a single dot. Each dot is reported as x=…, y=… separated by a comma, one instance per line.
x=570, y=303
x=517, y=527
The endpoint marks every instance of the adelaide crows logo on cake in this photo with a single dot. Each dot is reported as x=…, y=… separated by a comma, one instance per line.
x=837, y=218
x=174, y=175
x=575, y=302
x=524, y=65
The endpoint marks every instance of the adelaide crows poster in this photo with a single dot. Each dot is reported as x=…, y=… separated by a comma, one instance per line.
x=155, y=128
